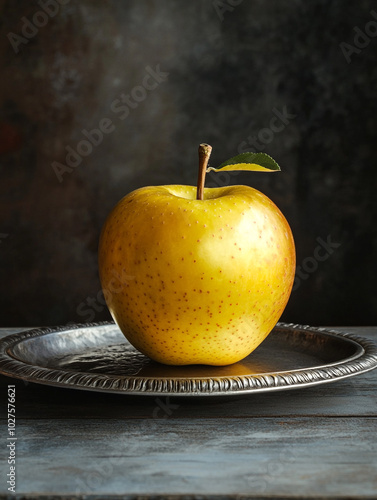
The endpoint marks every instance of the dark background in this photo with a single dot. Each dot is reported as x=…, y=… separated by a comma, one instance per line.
x=230, y=67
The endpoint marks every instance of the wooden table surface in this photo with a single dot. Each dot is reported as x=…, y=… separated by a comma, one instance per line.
x=318, y=442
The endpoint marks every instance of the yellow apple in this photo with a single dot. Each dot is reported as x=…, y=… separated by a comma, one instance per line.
x=196, y=281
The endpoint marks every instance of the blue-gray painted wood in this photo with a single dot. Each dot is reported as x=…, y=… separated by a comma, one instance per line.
x=321, y=456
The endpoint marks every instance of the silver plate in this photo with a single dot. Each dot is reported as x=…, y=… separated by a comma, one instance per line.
x=97, y=357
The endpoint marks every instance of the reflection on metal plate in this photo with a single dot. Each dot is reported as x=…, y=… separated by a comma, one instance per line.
x=97, y=357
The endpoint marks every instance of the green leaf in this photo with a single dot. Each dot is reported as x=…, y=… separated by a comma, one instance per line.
x=256, y=162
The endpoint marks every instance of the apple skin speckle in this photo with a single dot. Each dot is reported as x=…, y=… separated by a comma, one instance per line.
x=182, y=296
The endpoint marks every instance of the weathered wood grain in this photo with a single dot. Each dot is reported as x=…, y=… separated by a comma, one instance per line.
x=302, y=456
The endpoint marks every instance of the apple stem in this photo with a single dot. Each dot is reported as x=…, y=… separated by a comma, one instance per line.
x=204, y=154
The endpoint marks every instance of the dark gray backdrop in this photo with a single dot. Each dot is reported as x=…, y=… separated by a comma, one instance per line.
x=295, y=79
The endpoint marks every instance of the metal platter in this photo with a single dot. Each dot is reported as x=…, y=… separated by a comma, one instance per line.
x=97, y=357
